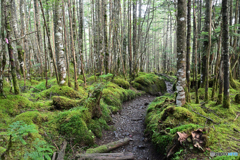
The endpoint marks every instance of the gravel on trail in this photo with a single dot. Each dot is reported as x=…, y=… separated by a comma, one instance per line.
x=129, y=122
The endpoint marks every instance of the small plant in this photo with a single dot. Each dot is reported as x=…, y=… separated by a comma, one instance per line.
x=19, y=134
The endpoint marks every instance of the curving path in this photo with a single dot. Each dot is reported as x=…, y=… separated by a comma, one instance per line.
x=130, y=123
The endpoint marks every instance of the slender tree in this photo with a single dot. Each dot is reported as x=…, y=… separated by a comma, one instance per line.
x=59, y=43
x=8, y=21
x=225, y=45
x=188, y=98
x=181, y=52
x=207, y=47
x=194, y=53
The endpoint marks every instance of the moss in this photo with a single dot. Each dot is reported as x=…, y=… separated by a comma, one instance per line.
x=237, y=98
x=121, y=83
x=31, y=117
x=100, y=149
x=150, y=83
x=61, y=91
x=96, y=126
x=65, y=103
x=42, y=85
x=91, y=80
x=72, y=125
x=2, y=150
x=13, y=104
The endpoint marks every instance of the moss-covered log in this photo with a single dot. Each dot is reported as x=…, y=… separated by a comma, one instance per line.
x=109, y=147
x=106, y=156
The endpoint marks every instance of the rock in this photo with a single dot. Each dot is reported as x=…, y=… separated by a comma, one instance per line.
x=146, y=104
x=126, y=134
x=141, y=146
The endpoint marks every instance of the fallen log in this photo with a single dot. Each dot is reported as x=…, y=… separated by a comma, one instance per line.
x=106, y=156
x=108, y=147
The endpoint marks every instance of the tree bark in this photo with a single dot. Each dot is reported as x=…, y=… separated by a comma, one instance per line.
x=225, y=45
x=188, y=98
x=181, y=52
x=59, y=43
x=194, y=52
x=8, y=20
x=72, y=45
x=207, y=47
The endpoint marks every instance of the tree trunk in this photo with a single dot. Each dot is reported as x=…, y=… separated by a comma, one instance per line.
x=59, y=43
x=8, y=20
x=106, y=56
x=66, y=46
x=130, y=38
x=72, y=45
x=81, y=40
x=134, y=38
x=225, y=45
x=52, y=54
x=188, y=98
x=3, y=52
x=194, y=52
x=39, y=35
x=181, y=52
x=207, y=47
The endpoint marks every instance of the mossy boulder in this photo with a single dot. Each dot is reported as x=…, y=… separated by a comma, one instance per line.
x=237, y=98
x=97, y=125
x=163, y=121
x=113, y=95
x=121, y=83
x=150, y=83
x=70, y=124
x=14, y=104
x=61, y=102
x=61, y=91
x=32, y=117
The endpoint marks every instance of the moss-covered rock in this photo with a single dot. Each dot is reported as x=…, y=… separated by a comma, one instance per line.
x=14, y=104
x=31, y=117
x=61, y=103
x=70, y=124
x=150, y=83
x=62, y=91
x=97, y=125
x=121, y=83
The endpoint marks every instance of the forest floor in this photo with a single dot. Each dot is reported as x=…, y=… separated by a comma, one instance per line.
x=130, y=122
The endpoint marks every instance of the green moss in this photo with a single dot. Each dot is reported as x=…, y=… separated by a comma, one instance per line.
x=42, y=85
x=121, y=83
x=70, y=124
x=65, y=103
x=96, y=126
x=61, y=91
x=2, y=150
x=150, y=83
x=100, y=149
x=13, y=104
x=184, y=128
x=31, y=117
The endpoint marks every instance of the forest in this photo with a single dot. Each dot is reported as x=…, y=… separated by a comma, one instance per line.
x=119, y=79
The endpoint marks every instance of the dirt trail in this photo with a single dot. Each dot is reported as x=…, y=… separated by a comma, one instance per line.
x=130, y=123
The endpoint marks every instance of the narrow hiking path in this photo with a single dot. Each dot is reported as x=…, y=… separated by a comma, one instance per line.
x=129, y=122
